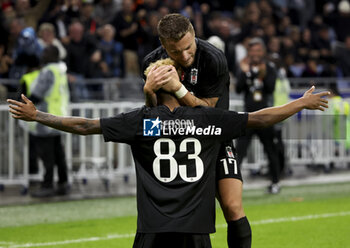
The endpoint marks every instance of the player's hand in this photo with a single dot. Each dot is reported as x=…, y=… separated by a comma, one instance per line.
x=24, y=111
x=315, y=101
x=155, y=79
x=173, y=82
x=158, y=77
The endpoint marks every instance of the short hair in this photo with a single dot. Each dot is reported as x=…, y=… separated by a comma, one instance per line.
x=50, y=54
x=256, y=41
x=161, y=62
x=174, y=27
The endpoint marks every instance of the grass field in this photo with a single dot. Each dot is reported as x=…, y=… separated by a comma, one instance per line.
x=303, y=216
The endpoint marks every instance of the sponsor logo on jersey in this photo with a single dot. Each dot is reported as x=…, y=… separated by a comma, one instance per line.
x=156, y=127
x=152, y=127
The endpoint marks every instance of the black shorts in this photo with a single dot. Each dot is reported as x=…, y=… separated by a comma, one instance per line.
x=171, y=240
x=226, y=165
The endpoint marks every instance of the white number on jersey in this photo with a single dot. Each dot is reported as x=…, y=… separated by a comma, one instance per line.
x=232, y=162
x=176, y=169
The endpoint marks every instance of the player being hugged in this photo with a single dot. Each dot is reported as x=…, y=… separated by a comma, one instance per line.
x=176, y=182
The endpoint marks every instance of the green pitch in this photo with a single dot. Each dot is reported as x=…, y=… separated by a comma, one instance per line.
x=304, y=216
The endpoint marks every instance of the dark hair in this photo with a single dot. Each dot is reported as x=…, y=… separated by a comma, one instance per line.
x=174, y=27
x=50, y=54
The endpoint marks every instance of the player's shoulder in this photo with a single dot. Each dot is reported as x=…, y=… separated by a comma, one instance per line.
x=213, y=56
x=210, y=50
x=155, y=55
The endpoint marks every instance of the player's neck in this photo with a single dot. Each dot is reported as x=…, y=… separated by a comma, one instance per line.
x=168, y=100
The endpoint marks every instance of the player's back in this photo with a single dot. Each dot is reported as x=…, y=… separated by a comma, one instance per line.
x=175, y=154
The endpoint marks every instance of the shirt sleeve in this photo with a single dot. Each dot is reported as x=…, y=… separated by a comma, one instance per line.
x=45, y=81
x=233, y=124
x=217, y=78
x=122, y=127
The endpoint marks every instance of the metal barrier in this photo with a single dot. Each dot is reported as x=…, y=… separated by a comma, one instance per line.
x=13, y=151
x=89, y=157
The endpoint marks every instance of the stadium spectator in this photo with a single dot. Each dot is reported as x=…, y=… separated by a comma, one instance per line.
x=70, y=10
x=241, y=51
x=150, y=40
x=50, y=93
x=281, y=97
x=256, y=81
x=306, y=45
x=112, y=63
x=205, y=73
x=339, y=111
x=57, y=17
x=5, y=62
x=105, y=11
x=26, y=45
x=30, y=77
x=170, y=208
x=87, y=18
x=127, y=32
x=47, y=36
x=342, y=20
x=315, y=69
x=284, y=26
x=274, y=48
x=301, y=12
x=81, y=53
x=323, y=43
x=250, y=21
x=342, y=54
x=258, y=20
x=230, y=41
x=31, y=15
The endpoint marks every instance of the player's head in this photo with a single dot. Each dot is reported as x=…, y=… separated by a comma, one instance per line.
x=177, y=36
x=162, y=62
x=163, y=96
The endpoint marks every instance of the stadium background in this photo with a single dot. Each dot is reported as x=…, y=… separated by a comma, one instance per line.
x=309, y=39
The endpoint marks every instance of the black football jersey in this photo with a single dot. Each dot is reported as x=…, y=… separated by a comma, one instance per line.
x=175, y=154
x=207, y=77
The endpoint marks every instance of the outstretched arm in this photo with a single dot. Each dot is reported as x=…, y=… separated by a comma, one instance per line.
x=26, y=111
x=269, y=116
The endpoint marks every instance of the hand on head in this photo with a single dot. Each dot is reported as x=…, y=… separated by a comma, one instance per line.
x=162, y=74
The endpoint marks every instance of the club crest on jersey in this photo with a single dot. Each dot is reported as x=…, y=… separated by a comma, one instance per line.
x=194, y=76
x=229, y=152
x=152, y=127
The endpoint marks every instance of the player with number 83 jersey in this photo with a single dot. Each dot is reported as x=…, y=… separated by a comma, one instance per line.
x=175, y=156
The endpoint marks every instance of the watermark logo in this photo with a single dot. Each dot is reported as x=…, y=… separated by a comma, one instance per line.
x=152, y=127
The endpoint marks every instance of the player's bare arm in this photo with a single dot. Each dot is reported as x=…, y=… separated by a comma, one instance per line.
x=26, y=111
x=187, y=99
x=269, y=116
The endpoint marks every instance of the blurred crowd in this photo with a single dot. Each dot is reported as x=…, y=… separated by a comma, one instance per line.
x=109, y=38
